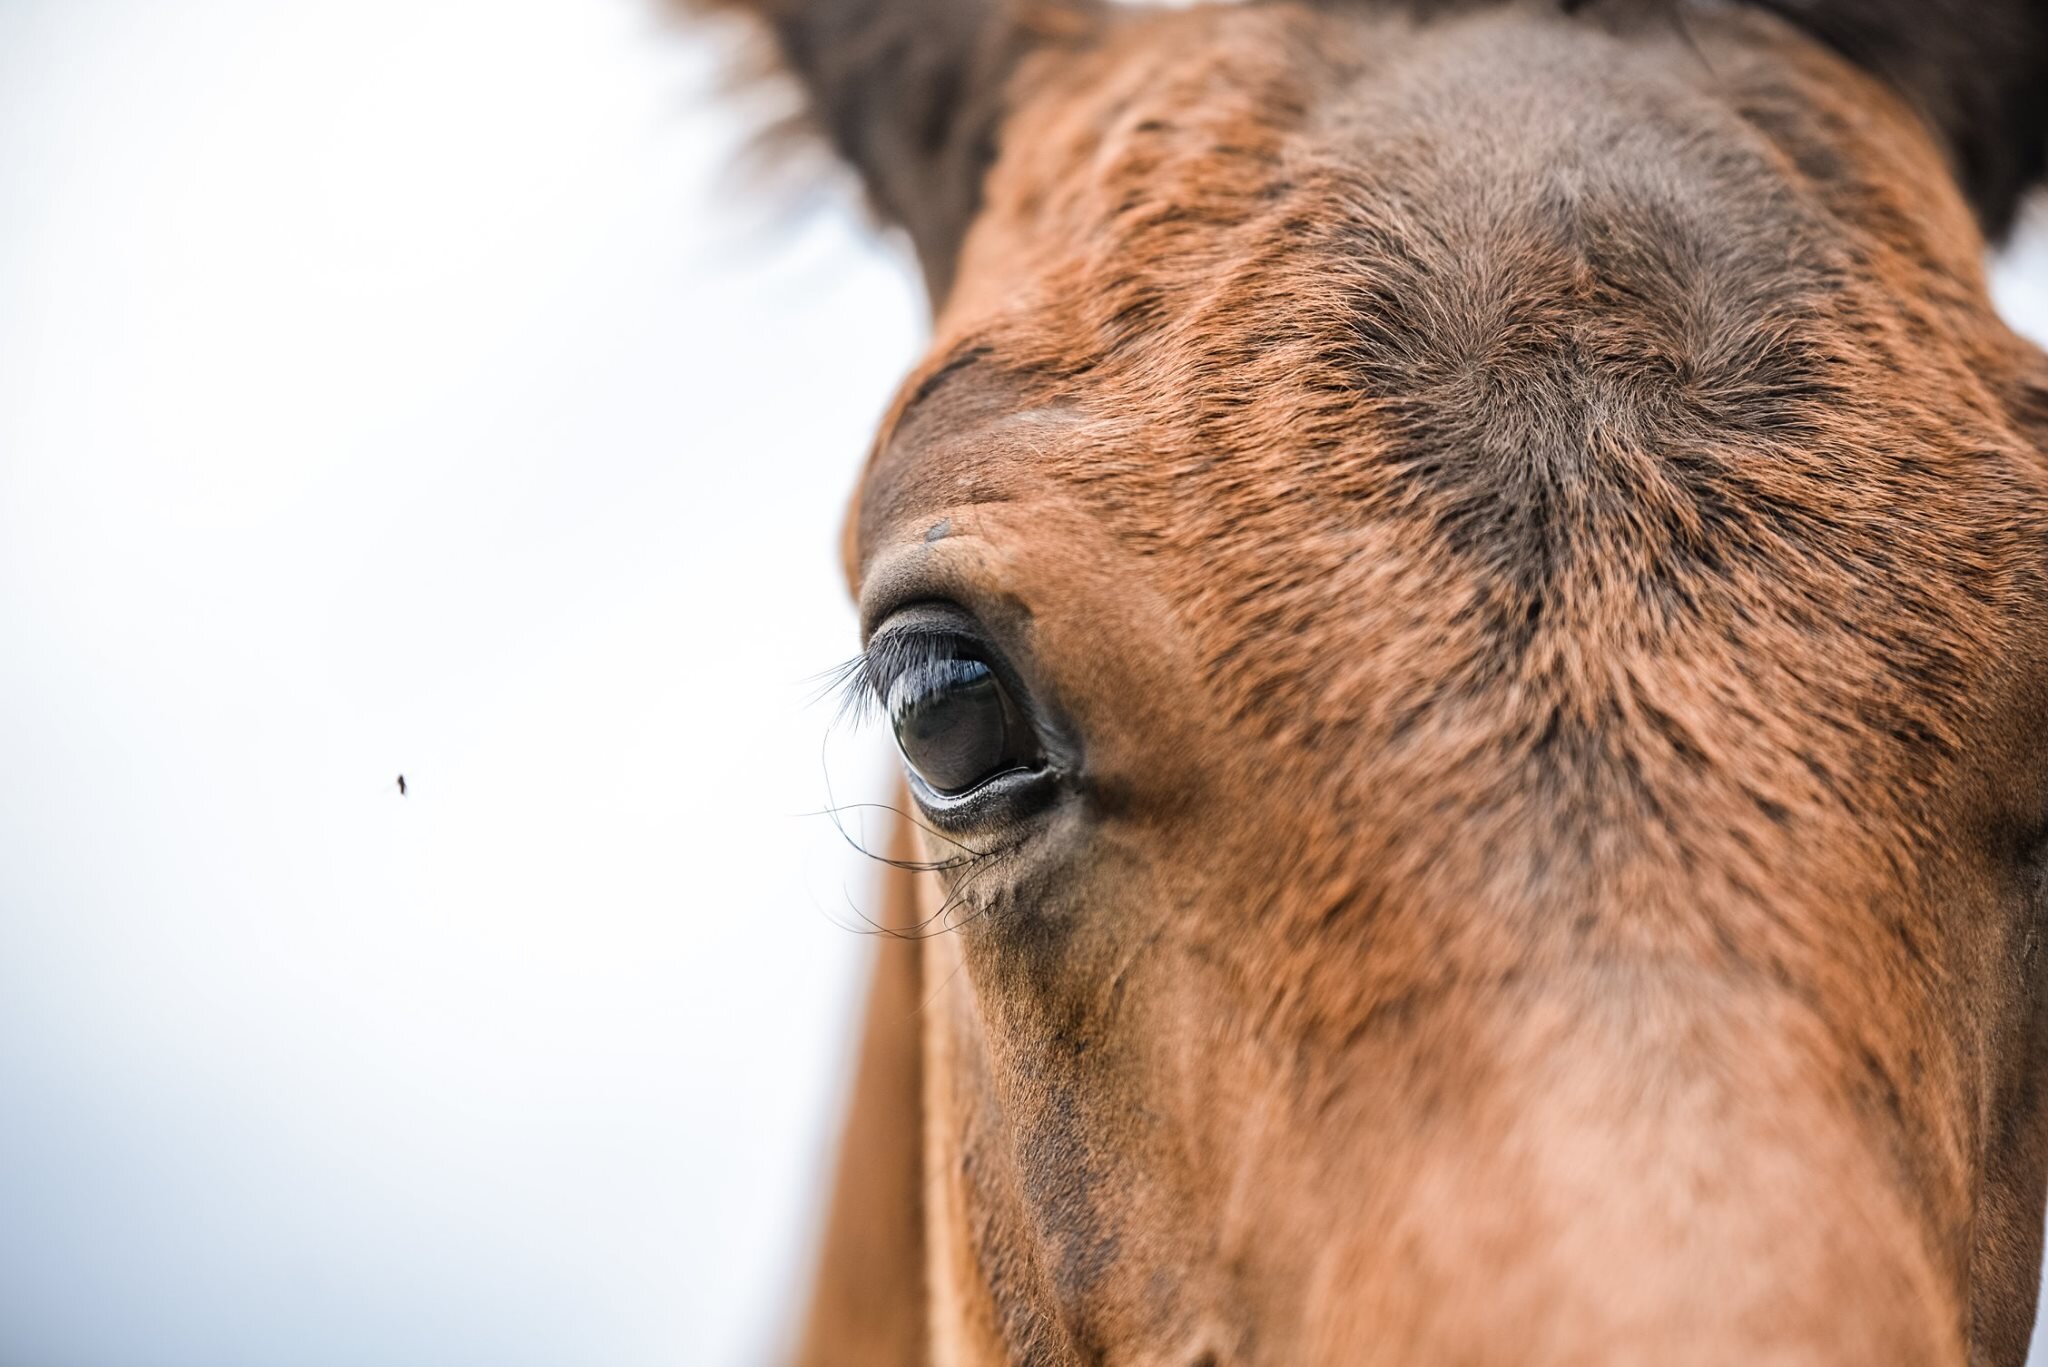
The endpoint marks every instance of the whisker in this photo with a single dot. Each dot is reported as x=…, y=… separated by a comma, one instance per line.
x=919, y=930
x=899, y=813
x=947, y=982
x=976, y=863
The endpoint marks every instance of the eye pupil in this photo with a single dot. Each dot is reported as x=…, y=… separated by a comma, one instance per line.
x=953, y=724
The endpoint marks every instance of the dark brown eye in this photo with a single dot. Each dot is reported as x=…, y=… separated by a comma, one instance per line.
x=957, y=727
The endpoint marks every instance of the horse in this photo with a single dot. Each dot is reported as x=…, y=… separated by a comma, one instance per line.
x=1463, y=593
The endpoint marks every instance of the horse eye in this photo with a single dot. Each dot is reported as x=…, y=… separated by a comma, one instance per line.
x=957, y=727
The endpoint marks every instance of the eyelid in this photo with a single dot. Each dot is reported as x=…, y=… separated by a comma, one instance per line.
x=900, y=579
x=960, y=569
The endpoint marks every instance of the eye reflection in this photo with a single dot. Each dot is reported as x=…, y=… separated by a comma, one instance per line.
x=955, y=725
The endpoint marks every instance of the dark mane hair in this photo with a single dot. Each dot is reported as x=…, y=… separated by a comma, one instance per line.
x=1977, y=70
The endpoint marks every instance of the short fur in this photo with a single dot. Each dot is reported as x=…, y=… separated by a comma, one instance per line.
x=1544, y=542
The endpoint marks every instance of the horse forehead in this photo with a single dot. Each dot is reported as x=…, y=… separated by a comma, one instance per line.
x=1223, y=126
x=1444, y=393
x=1345, y=273
x=1228, y=187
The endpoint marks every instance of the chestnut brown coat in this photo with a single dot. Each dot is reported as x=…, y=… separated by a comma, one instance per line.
x=1517, y=547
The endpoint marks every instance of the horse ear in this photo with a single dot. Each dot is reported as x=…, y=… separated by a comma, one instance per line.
x=912, y=94
x=1977, y=70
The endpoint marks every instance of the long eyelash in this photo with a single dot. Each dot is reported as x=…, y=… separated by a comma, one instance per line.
x=862, y=683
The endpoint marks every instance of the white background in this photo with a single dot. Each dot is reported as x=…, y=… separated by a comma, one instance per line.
x=417, y=386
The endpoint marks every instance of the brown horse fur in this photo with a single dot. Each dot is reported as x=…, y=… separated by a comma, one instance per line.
x=1538, y=545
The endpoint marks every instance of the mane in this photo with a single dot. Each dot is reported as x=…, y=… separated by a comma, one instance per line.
x=1977, y=70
